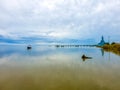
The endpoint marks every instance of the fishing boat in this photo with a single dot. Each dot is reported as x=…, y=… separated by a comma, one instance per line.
x=85, y=57
x=29, y=47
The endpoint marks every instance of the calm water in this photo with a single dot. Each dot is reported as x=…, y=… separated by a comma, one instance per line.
x=51, y=68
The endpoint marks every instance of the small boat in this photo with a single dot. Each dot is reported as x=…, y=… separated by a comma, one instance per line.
x=29, y=47
x=85, y=57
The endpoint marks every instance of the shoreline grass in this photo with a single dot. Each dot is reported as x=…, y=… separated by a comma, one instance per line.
x=115, y=48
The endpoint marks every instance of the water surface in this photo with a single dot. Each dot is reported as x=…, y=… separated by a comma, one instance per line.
x=51, y=68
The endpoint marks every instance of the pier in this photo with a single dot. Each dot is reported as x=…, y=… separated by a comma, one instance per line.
x=75, y=45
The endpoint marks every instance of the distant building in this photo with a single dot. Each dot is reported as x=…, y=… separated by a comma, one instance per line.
x=102, y=42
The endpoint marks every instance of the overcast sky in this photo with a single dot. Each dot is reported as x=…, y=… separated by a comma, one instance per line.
x=60, y=19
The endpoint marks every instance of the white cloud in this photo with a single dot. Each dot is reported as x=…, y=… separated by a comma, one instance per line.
x=7, y=34
x=3, y=33
x=50, y=5
x=107, y=6
x=59, y=18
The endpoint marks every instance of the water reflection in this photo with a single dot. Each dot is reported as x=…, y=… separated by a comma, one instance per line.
x=102, y=51
x=50, y=68
x=84, y=59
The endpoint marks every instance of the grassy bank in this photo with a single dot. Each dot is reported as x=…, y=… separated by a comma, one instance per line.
x=115, y=48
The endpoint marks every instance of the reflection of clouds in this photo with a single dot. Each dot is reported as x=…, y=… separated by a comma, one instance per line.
x=44, y=48
x=9, y=59
x=60, y=58
x=43, y=56
x=55, y=58
x=3, y=60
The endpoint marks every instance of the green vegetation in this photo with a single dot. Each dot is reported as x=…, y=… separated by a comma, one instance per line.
x=113, y=47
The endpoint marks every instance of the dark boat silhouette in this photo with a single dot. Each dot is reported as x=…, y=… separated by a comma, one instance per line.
x=29, y=47
x=84, y=57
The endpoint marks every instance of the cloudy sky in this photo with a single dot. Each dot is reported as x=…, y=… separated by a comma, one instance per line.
x=54, y=21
